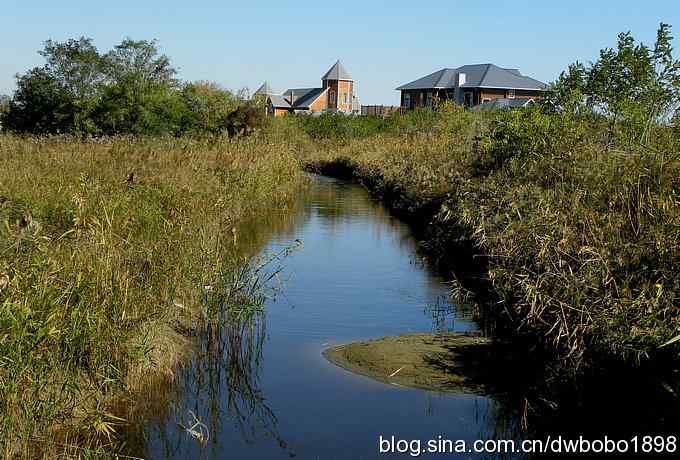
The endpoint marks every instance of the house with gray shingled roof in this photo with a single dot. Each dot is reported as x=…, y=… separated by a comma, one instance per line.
x=336, y=94
x=471, y=85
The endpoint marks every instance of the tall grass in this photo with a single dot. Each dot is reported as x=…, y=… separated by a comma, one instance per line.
x=580, y=233
x=107, y=252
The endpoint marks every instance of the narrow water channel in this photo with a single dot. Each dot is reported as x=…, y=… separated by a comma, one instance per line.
x=262, y=387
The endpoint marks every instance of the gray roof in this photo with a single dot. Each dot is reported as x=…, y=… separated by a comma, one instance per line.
x=279, y=101
x=503, y=103
x=303, y=96
x=337, y=72
x=476, y=76
x=264, y=89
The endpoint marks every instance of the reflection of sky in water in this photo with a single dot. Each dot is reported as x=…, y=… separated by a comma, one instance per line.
x=356, y=276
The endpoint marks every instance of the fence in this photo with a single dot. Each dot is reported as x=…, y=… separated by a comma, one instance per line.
x=381, y=110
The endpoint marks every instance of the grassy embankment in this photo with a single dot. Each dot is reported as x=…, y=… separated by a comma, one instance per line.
x=111, y=253
x=579, y=235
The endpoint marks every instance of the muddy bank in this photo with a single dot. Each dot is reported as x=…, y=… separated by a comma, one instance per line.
x=455, y=362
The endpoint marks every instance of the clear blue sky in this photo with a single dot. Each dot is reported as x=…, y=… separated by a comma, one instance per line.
x=291, y=44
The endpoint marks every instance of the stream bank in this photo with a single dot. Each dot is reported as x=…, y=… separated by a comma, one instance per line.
x=550, y=384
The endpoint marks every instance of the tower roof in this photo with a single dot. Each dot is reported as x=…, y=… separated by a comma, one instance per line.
x=264, y=89
x=337, y=72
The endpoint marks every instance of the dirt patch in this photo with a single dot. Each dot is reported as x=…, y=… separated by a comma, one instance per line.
x=457, y=362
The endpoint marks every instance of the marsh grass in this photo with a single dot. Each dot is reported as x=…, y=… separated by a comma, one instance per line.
x=579, y=232
x=108, y=250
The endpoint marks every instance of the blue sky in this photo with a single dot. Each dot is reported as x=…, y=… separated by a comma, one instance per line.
x=291, y=44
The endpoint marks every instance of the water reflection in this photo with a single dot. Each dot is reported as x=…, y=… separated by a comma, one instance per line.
x=263, y=390
x=260, y=384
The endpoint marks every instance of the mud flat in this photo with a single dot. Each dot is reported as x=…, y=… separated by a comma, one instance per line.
x=455, y=362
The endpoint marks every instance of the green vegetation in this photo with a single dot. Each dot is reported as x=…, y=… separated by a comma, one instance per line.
x=574, y=205
x=111, y=253
x=341, y=127
x=114, y=249
x=131, y=89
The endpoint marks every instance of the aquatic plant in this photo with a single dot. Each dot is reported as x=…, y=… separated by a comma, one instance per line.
x=107, y=249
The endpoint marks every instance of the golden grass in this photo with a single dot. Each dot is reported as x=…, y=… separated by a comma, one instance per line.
x=107, y=251
x=581, y=235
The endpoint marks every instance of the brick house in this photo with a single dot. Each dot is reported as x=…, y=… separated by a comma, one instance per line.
x=472, y=85
x=336, y=94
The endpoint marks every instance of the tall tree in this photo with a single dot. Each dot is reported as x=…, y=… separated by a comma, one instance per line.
x=76, y=66
x=141, y=95
x=633, y=85
x=61, y=95
x=40, y=105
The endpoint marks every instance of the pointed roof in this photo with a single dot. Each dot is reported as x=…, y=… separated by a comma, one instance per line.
x=476, y=76
x=337, y=72
x=264, y=89
x=303, y=97
x=278, y=101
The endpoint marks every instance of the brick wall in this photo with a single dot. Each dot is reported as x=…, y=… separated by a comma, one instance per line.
x=320, y=104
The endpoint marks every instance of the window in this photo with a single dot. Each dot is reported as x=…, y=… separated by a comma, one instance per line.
x=511, y=94
x=344, y=98
x=331, y=97
x=428, y=100
x=486, y=100
x=407, y=100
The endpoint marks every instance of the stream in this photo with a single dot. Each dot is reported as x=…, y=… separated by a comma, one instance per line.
x=261, y=387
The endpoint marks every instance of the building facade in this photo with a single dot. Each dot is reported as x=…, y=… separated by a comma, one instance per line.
x=470, y=85
x=336, y=94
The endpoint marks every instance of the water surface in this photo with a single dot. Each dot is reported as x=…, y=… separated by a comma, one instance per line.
x=263, y=388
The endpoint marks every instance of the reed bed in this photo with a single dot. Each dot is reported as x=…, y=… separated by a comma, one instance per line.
x=577, y=230
x=110, y=251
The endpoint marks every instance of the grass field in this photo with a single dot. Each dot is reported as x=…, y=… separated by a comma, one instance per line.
x=111, y=252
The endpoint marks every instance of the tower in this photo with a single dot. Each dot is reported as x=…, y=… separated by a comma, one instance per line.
x=340, y=87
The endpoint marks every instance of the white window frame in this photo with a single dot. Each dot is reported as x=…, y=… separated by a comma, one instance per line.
x=511, y=94
x=407, y=100
x=428, y=99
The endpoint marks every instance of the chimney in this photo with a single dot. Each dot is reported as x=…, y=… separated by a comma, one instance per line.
x=461, y=79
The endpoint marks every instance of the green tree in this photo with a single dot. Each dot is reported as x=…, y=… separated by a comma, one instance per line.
x=633, y=85
x=77, y=68
x=61, y=95
x=568, y=93
x=141, y=97
x=40, y=105
x=664, y=92
x=207, y=107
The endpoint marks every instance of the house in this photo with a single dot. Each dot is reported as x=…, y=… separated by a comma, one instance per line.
x=336, y=94
x=470, y=85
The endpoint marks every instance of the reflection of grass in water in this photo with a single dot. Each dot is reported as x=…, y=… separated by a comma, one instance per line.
x=104, y=248
x=223, y=377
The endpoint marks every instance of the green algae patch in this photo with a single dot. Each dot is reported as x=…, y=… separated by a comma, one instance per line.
x=457, y=362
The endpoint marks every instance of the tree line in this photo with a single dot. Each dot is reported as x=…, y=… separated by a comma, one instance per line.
x=131, y=89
